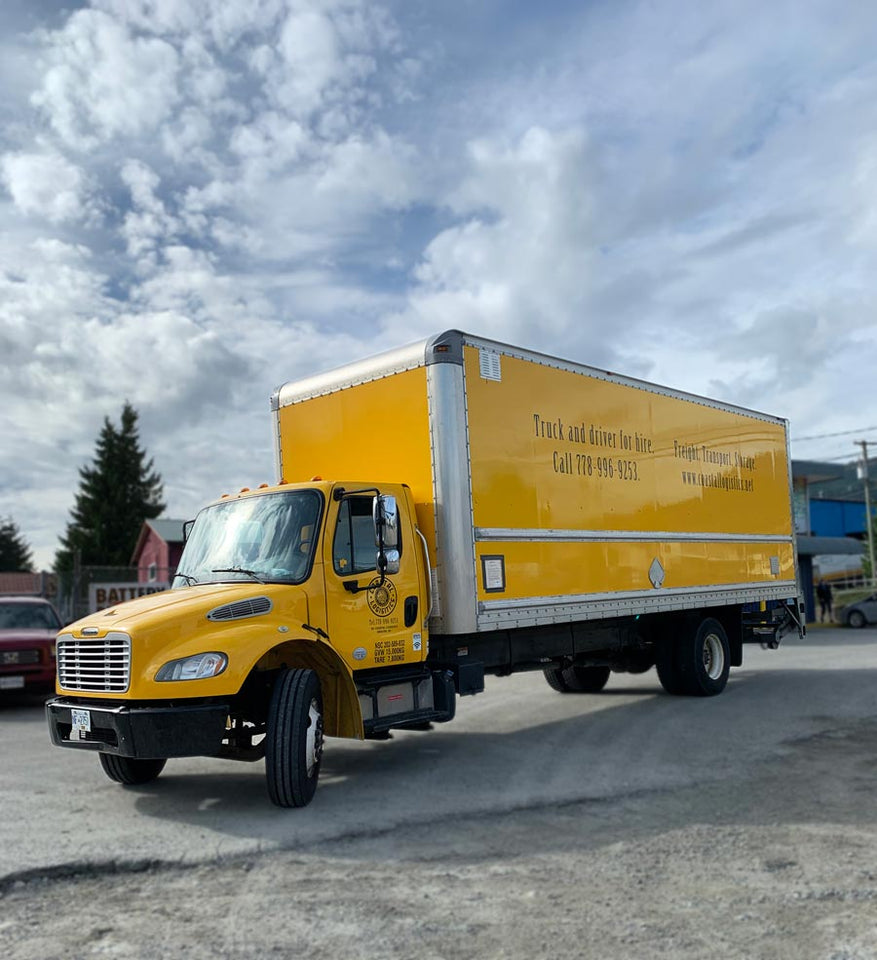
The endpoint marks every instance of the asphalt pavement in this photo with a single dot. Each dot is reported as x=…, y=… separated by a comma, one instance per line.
x=518, y=746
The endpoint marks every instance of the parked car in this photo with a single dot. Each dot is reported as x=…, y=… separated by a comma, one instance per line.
x=28, y=627
x=858, y=614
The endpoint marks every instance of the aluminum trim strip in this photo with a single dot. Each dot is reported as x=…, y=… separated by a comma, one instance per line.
x=621, y=605
x=784, y=587
x=422, y=353
x=610, y=377
x=362, y=371
x=492, y=534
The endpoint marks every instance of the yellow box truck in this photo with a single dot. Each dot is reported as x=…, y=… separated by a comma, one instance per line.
x=448, y=510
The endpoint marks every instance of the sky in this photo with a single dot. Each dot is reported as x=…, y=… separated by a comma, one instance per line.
x=203, y=199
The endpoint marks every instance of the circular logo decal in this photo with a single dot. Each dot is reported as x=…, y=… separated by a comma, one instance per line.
x=381, y=597
x=360, y=653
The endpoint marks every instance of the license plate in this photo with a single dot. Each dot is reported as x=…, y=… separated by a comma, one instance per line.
x=81, y=722
x=11, y=683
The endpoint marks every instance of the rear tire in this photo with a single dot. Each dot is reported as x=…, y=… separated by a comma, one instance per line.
x=697, y=662
x=131, y=771
x=667, y=666
x=576, y=679
x=587, y=679
x=294, y=739
x=555, y=680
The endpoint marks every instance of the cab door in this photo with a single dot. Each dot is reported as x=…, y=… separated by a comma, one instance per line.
x=373, y=623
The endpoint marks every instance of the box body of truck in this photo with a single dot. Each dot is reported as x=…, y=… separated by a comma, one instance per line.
x=551, y=492
x=444, y=511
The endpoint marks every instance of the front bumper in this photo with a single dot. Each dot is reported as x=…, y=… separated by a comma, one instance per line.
x=140, y=730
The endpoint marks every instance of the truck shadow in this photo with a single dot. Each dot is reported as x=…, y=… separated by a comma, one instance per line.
x=842, y=636
x=18, y=706
x=630, y=747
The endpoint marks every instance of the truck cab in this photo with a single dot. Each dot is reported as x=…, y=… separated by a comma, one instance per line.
x=297, y=611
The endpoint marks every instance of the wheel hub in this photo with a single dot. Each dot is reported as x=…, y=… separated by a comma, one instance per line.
x=314, y=738
x=713, y=656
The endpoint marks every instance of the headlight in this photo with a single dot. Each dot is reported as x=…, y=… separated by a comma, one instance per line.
x=197, y=667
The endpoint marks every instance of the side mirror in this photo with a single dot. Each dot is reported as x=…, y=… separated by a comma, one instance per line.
x=386, y=516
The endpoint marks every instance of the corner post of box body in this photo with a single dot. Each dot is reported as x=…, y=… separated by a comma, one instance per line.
x=278, y=453
x=452, y=484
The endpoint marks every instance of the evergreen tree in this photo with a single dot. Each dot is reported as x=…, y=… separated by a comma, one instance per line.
x=116, y=494
x=15, y=556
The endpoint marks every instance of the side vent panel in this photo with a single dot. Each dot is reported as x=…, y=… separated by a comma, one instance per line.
x=241, y=609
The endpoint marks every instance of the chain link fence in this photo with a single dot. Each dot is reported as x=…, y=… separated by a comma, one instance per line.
x=88, y=589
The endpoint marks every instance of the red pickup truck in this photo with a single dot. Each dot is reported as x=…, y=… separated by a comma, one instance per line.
x=28, y=627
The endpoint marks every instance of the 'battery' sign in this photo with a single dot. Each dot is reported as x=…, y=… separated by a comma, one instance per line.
x=103, y=595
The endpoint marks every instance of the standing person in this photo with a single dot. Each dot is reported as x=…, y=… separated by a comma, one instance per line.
x=823, y=592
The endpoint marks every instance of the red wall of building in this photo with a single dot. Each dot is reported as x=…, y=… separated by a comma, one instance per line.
x=165, y=556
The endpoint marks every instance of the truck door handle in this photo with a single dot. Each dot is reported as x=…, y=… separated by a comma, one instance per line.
x=410, y=611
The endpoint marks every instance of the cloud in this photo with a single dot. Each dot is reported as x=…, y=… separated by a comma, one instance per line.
x=518, y=263
x=147, y=225
x=103, y=82
x=203, y=198
x=46, y=185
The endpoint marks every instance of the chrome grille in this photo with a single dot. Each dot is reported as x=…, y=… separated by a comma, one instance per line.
x=99, y=665
x=241, y=609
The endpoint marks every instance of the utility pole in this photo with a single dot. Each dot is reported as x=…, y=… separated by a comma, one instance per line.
x=863, y=475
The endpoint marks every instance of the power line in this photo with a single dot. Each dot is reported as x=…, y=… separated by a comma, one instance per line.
x=848, y=457
x=825, y=436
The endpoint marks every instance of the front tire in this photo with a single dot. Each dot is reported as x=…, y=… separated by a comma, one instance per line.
x=131, y=771
x=696, y=663
x=294, y=738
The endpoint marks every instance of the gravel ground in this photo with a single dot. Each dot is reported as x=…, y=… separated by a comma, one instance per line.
x=778, y=863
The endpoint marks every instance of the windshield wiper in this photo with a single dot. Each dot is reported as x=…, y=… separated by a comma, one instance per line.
x=249, y=573
x=187, y=577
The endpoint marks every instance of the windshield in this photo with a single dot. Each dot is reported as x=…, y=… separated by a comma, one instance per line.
x=263, y=538
x=28, y=616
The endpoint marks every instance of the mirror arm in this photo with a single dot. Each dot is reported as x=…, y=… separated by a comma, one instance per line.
x=340, y=493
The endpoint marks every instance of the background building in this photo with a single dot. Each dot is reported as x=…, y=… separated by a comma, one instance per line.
x=831, y=523
x=158, y=550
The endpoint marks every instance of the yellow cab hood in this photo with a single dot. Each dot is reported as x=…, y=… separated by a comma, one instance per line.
x=242, y=619
x=179, y=602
